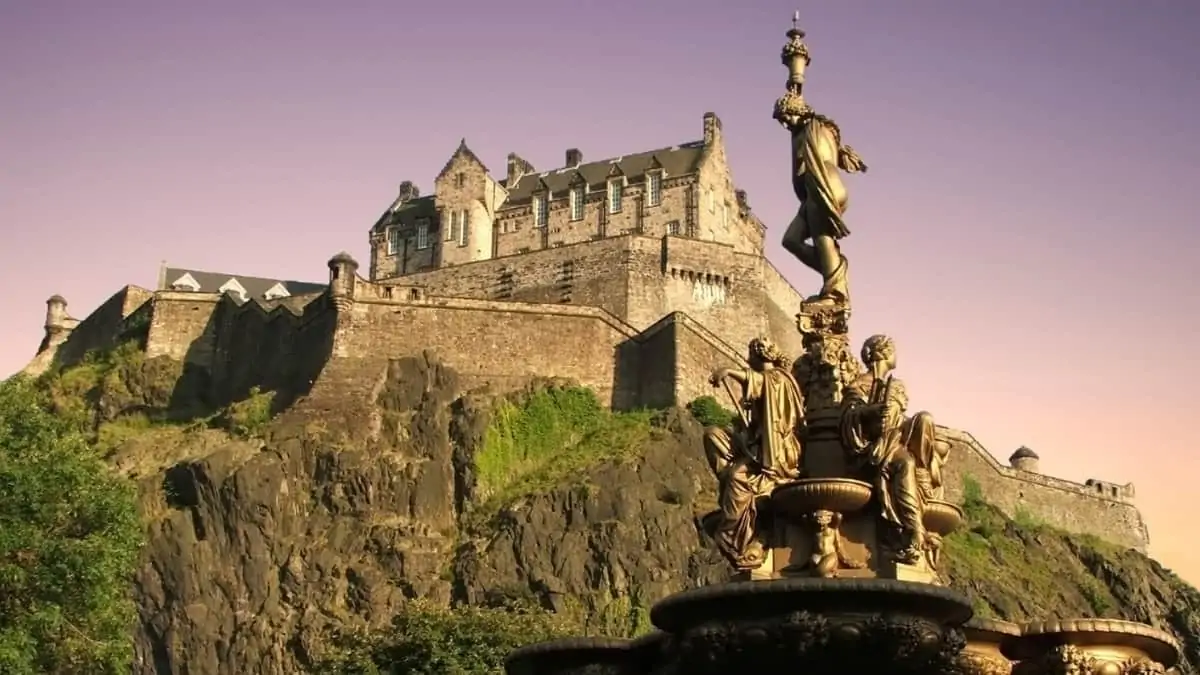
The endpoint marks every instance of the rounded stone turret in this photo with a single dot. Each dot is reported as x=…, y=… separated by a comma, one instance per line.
x=343, y=271
x=56, y=313
x=1024, y=459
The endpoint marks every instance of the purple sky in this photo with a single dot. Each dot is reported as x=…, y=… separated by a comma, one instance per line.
x=1027, y=231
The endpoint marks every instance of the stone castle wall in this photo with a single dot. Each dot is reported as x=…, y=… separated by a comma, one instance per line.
x=639, y=279
x=297, y=343
x=1055, y=501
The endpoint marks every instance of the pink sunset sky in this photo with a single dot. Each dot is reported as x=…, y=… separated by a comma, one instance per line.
x=1027, y=231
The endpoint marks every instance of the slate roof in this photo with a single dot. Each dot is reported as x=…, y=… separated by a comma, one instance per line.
x=256, y=287
x=677, y=160
x=421, y=207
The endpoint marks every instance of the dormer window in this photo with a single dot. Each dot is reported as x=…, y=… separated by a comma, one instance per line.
x=393, y=237
x=616, y=191
x=541, y=210
x=576, y=198
x=654, y=188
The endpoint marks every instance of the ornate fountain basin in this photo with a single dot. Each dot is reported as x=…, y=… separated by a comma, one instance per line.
x=840, y=495
x=942, y=517
x=1093, y=646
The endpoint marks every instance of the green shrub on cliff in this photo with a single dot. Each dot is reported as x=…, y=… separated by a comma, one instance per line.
x=429, y=640
x=69, y=542
x=548, y=436
x=709, y=412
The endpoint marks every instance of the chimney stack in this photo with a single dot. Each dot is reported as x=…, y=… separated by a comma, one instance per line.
x=408, y=191
x=517, y=167
x=574, y=158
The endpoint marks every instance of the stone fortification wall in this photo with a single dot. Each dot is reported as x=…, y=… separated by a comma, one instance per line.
x=591, y=273
x=297, y=343
x=502, y=344
x=638, y=279
x=103, y=326
x=1070, y=506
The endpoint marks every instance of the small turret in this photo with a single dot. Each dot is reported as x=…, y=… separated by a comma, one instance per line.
x=343, y=272
x=58, y=323
x=56, y=313
x=1024, y=459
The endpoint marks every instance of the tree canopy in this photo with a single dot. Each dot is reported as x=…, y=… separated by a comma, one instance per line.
x=70, y=536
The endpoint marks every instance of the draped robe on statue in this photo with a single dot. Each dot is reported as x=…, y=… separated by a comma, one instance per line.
x=752, y=459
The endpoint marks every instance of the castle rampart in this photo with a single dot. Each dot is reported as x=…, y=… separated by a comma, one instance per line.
x=639, y=279
x=294, y=343
x=1062, y=503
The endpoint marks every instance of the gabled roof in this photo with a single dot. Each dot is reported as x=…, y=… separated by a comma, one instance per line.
x=678, y=160
x=461, y=151
x=216, y=282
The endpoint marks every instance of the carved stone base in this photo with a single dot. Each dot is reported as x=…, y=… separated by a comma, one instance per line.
x=1091, y=647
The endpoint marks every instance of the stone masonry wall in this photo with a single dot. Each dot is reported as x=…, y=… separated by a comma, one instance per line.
x=1061, y=503
x=591, y=273
x=494, y=343
x=102, y=326
x=182, y=326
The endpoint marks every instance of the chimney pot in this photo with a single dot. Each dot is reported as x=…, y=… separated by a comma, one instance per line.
x=574, y=158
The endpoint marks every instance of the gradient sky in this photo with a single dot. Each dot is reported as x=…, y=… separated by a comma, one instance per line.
x=1027, y=232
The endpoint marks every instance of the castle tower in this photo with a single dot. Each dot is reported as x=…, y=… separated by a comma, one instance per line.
x=343, y=273
x=58, y=323
x=466, y=198
x=1024, y=459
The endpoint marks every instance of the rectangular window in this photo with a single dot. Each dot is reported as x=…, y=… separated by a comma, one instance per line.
x=615, y=192
x=691, y=230
x=541, y=211
x=673, y=227
x=393, y=237
x=577, y=203
x=654, y=188
x=450, y=225
x=422, y=234
x=462, y=227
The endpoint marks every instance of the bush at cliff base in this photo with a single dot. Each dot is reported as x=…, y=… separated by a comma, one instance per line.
x=69, y=541
x=430, y=640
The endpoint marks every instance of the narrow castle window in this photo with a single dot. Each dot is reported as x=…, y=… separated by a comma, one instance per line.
x=654, y=188
x=393, y=246
x=725, y=216
x=422, y=234
x=615, y=192
x=673, y=227
x=462, y=228
x=460, y=179
x=541, y=210
x=576, y=198
x=691, y=230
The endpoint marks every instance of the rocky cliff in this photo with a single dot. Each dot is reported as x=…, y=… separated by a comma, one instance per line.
x=274, y=526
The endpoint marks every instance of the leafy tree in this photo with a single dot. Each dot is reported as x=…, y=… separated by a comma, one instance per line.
x=69, y=541
x=429, y=640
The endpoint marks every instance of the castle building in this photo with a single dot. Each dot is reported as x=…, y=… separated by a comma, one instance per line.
x=642, y=236
x=635, y=276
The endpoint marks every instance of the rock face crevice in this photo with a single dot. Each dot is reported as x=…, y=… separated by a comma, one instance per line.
x=359, y=498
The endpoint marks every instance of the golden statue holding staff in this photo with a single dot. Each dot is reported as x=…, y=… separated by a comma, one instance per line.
x=760, y=451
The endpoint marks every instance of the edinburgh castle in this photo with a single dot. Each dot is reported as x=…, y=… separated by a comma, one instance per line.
x=632, y=275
